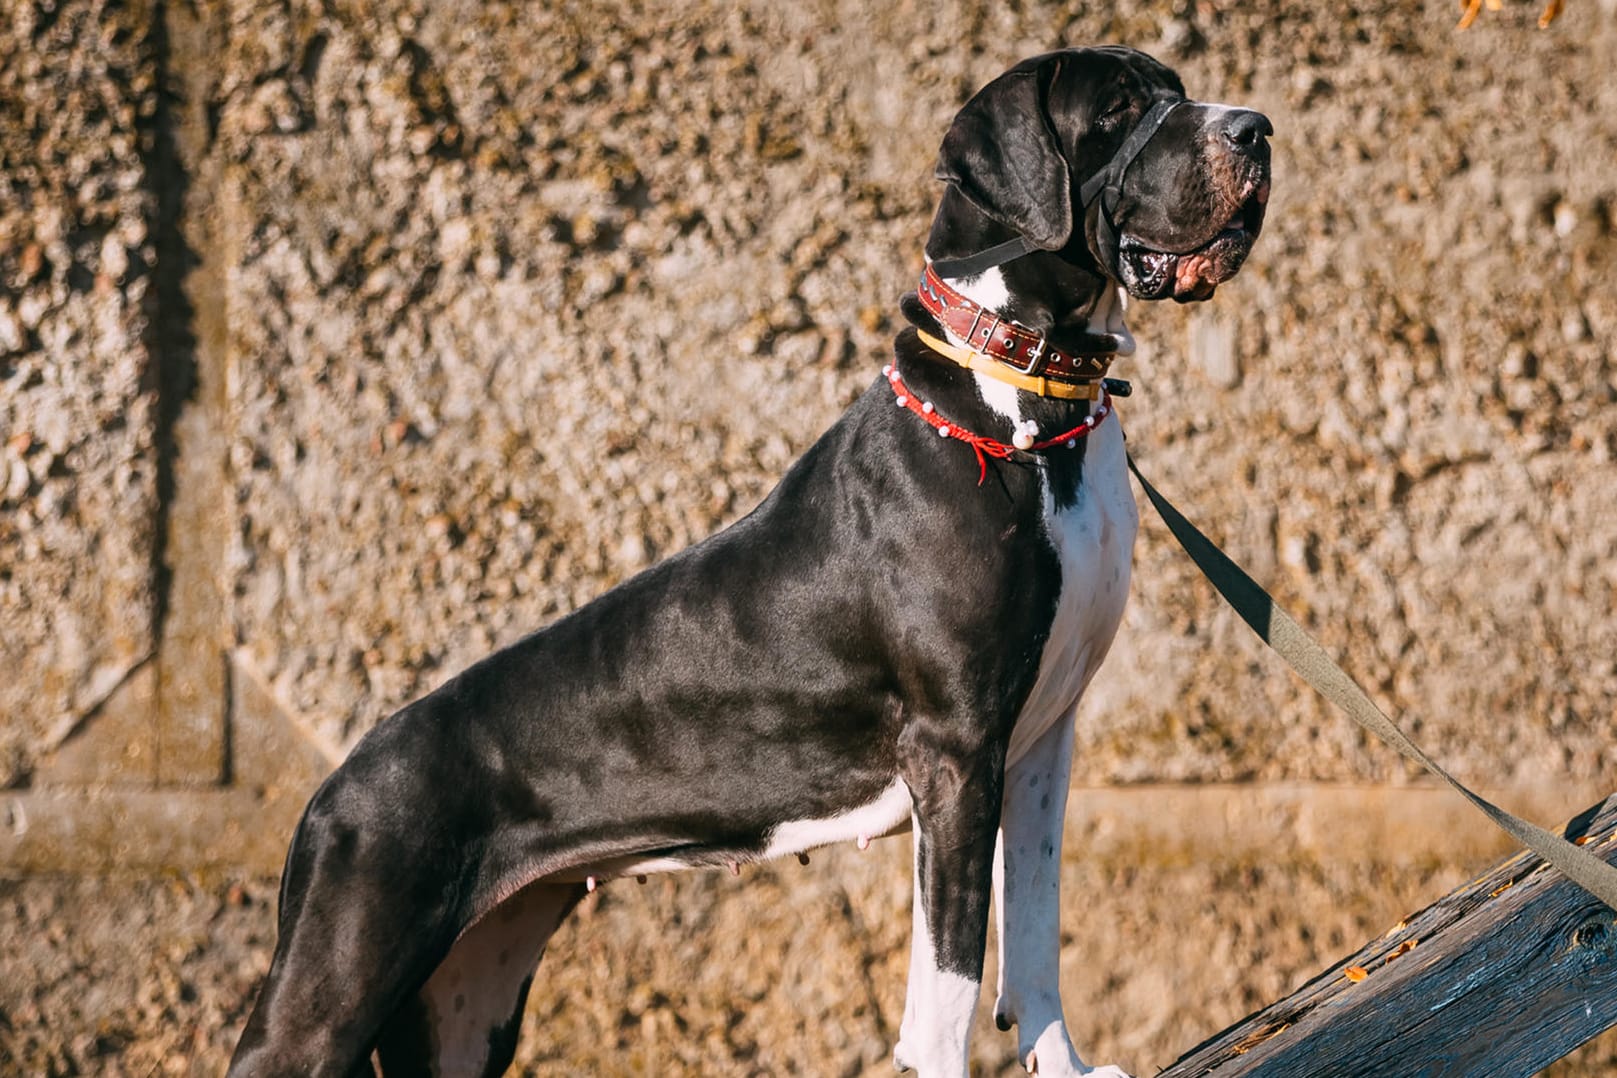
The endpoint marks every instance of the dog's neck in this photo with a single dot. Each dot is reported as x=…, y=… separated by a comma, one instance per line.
x=1057, y=293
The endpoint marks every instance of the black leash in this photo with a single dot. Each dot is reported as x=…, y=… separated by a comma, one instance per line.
x=1277, y=629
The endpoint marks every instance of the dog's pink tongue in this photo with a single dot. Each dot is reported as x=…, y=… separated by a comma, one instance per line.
x=1193, y=277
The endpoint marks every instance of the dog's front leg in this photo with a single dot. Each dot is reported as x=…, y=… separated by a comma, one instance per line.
x=1027, y=887
x=955, y=815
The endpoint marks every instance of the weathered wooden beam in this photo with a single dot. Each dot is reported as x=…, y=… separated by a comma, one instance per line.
x=1501, y=977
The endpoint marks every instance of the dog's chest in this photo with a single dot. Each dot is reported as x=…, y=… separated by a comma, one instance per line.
x=1094, y=542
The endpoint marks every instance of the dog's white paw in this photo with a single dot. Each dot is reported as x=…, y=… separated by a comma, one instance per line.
x=1070, y=1068
x=1052, y=1056
x=906, y=1060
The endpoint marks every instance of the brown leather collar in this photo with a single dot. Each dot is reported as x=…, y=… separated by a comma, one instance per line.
x=1011, y=345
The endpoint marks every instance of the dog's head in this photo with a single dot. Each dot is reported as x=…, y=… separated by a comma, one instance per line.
x=1174, y=216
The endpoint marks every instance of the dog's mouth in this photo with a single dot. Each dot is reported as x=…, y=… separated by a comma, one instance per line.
x=1153, y=273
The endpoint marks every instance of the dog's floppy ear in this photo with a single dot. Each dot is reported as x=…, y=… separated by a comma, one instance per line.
x=1001, y=154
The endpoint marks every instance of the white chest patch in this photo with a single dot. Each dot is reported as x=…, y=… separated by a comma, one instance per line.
x=1094, y=540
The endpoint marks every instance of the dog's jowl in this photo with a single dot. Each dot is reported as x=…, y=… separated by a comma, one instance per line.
x=897, y=637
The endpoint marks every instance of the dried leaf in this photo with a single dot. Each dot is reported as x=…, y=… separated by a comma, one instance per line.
x=1402, y=949
x=1469, y=9
x=1355, y=973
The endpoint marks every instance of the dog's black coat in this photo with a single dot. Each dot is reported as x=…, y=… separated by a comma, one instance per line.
x=879, y=614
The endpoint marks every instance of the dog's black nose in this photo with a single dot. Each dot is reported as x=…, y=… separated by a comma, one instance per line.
x=1244, y=129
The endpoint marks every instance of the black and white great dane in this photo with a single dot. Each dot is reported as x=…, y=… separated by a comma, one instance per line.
x=897, y=637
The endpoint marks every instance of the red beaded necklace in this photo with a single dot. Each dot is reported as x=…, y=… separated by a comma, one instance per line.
x=1026, y=439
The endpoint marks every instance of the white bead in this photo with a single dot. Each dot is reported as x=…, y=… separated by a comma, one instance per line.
x=888, y=370
x=1072, y=443
x=901, y=401
x=1022, y=440
x=1089, y=422
x=943, y=432
x=927, y=407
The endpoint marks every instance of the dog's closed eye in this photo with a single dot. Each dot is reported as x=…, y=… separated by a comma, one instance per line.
x=1114, y=113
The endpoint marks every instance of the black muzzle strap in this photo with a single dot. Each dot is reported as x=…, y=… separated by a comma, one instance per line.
x=1102, y=189
x=997, y=255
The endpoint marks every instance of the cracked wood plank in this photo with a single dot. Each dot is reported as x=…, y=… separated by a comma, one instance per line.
x=1501, y=977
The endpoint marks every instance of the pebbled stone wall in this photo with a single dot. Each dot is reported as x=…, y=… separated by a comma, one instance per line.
x=528, y=298
x=1399, y=417
x=505, y=301
x=520, y=298
x=78, y=421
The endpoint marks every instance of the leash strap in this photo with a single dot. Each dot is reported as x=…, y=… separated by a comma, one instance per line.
x=1277, y=629
x=982, y=261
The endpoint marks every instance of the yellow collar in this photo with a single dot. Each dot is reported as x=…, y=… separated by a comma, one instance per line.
x=1032, y=383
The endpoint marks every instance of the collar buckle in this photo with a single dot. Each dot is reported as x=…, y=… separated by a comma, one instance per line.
x=1035, y=358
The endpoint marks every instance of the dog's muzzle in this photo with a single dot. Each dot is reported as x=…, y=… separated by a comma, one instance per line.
x=1185, y=271
x=1100, y=192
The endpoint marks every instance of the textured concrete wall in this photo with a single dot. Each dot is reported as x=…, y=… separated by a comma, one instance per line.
x=78, y=472
x=1400, y=417
x=527, y=299
x=519, y=299
x=390, y=331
